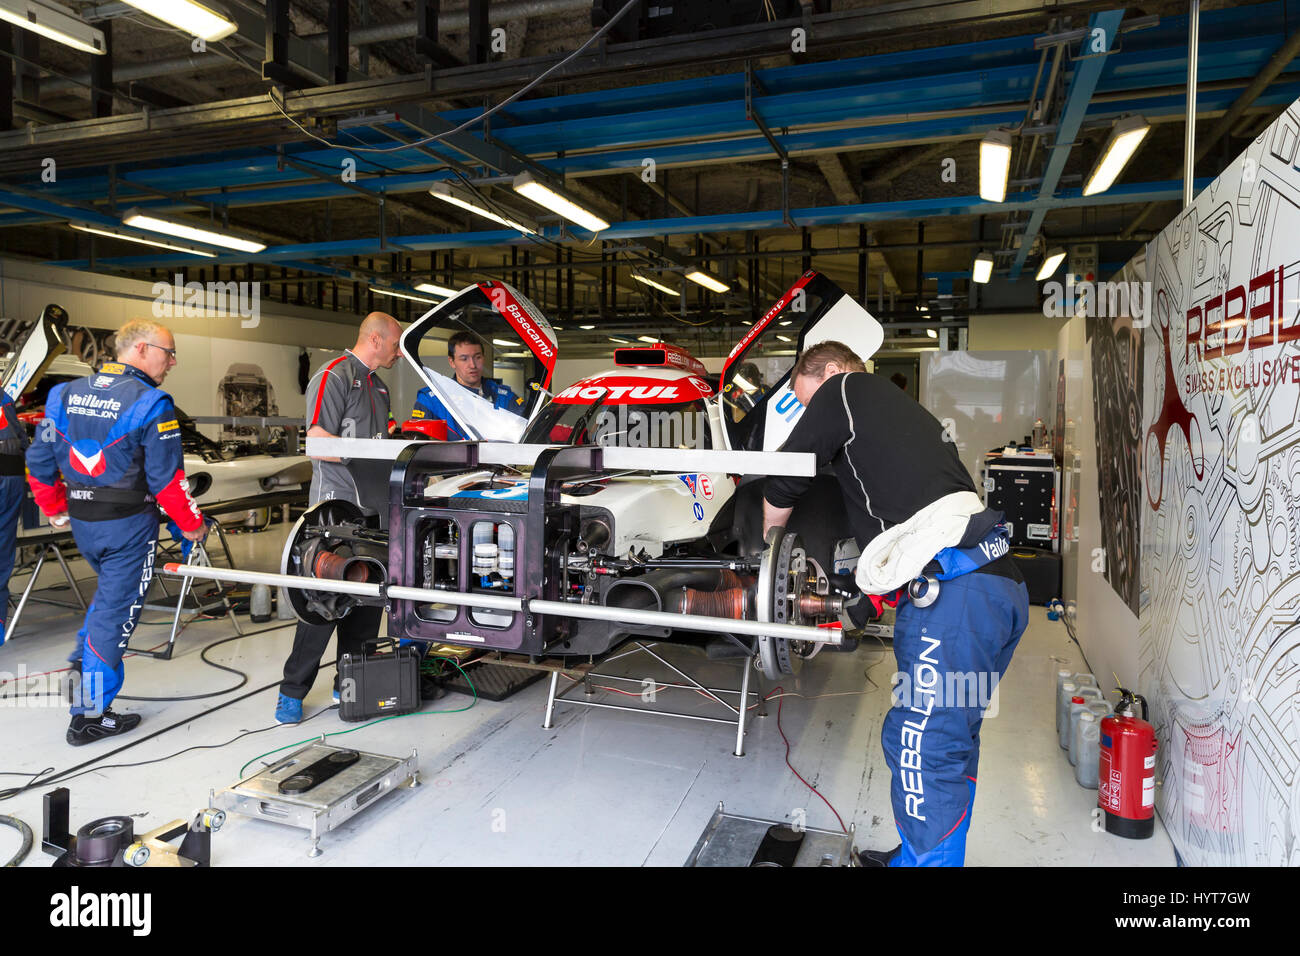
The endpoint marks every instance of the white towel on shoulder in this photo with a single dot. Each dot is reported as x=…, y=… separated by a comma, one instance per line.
x=897, y=556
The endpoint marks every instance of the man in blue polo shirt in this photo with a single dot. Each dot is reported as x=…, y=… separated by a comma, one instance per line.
x=465, y=356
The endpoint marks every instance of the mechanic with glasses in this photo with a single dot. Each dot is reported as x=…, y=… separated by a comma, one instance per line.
x=929, y=545
x=106, y=457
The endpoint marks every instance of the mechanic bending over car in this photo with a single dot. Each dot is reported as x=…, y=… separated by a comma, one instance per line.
x=115, y=440
x=13, y=489
x=465, y=356
x=345, y=399
x=929, y=544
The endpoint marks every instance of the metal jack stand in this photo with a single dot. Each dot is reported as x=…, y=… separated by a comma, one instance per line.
x=46, y=548
x=198, y=558
x=740, y=713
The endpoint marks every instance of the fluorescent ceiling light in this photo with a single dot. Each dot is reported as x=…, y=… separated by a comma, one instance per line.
x=784, y=338
x=746, y=322
x=620, y=341
x=995, y=164
x=435, y=289
x=468, y=199
x=1124, y=140
x=1051, y=262
x=706, y=280
x=653, y=284
x=142, y=220
x=118, y=234
x=744, y=384
x=55, y=22
x=932, y=333
x=982, y=270
x=508, y=345
x=381, y=290
x=786, y=322
x=557, y=328
x=196, y=19
x=586, y=328
x=528, y=186
x=647, y=338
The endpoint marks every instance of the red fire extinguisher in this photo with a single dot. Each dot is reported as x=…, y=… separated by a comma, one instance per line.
x=1126, y=772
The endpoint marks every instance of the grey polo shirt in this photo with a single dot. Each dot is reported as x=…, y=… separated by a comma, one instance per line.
x=347, y=399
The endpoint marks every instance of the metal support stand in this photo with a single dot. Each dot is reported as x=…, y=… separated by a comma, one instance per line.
x=198, y=558
x=46, y=548
x=740, y=713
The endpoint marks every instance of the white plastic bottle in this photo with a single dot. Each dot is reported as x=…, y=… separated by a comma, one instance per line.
x=1087, y=745
x=1068, y=689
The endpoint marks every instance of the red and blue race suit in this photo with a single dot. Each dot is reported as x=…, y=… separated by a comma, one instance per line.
x=13, y=443
x=429, y=407
x=109, y=454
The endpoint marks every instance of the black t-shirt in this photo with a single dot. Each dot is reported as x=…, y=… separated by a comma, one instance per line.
x=890, y=455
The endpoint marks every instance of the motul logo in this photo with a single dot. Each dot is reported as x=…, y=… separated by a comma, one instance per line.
x=615, y=392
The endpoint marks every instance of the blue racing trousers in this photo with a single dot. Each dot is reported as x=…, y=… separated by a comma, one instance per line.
x=950, y=657
x=121, y=552
x=13, y=489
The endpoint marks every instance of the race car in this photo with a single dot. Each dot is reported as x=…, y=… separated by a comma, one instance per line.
x=629, y=494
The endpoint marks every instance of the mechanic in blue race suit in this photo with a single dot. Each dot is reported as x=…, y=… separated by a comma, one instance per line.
x=107, y=456
x=928, y=543
x=465, y=356
x=13, y=489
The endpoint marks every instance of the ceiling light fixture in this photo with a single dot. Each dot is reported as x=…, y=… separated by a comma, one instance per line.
x=586, y=328
x=653, y=284
x=55, y=22
x=142, y=220
x=784, y=338
x=706, y=280
x=530, y=187
x=196, y=19
x=648, y=338
x=467, y=199
x=982, y=270
x=1051, y=262
x=995, y=165
x=128, y=237
x=436, y=289
x=932, y=333
x=381, y=290
x=509, y=345
x=1124, y=140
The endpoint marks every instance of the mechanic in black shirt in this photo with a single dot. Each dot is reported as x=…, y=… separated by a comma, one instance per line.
x=928, y=542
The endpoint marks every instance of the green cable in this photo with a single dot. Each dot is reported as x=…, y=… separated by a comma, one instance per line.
x=418, y=713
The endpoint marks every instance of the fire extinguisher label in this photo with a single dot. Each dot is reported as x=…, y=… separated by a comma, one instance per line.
x=1150, y=762
x=1112, y=794
x=1149, y=791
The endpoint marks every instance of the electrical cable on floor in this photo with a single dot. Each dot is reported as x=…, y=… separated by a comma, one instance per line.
x=418, y=713
x=28, y=838
x=780, y=730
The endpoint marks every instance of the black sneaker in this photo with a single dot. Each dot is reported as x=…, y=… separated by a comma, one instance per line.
x=877, y=857
x=86, y=730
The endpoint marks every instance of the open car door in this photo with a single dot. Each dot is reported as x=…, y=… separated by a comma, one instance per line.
x=47, y=340
x=755, y=401
x=494, y=311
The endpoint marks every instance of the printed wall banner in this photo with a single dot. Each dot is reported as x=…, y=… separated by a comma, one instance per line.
x=1220, y=541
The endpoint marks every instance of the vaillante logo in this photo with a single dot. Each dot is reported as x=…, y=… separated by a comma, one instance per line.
x=76, y=909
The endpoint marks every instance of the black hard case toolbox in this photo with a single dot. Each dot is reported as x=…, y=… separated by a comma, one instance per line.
x=382, y=683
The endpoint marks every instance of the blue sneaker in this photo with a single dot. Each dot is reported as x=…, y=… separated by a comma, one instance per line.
x=336, y=695
x=288, y=710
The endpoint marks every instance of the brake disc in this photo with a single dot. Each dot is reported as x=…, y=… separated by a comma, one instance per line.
x=300, y=551
x=776, y=603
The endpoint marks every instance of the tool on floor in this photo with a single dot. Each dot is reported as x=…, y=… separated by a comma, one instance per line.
x=111, y=841
x=297, y=792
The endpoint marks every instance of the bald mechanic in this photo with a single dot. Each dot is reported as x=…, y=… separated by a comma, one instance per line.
x=928, y=543
x=108, y=456
x=345, y=399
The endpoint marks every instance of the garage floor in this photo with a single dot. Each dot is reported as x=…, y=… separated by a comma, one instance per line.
x=601, y=787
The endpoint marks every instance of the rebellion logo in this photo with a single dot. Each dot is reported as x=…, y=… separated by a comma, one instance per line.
x=87, y=458
x=1212, y=325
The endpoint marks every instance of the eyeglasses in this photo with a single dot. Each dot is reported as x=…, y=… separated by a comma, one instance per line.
x=171, y=352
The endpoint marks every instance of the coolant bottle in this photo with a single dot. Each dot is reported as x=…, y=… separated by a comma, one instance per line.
x=1068, y=689
x=1087, y=738
x=1062, y=676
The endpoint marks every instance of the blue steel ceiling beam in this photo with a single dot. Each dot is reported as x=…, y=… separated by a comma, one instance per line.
x=683, y=225
x=1083, y=83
